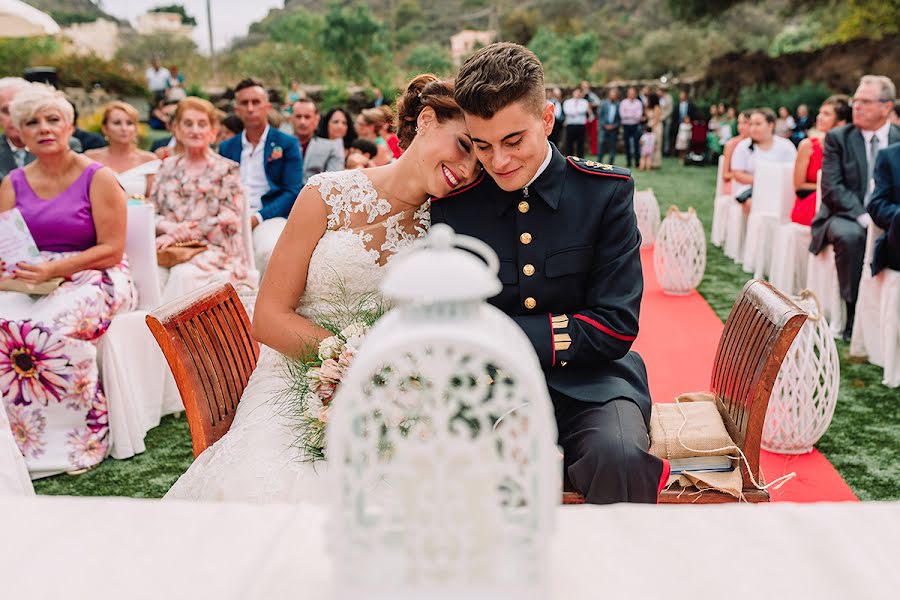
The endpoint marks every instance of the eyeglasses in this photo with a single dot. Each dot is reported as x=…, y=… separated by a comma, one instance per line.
x=866, y=101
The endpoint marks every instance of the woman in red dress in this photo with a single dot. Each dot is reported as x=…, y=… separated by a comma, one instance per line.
x=834, y=112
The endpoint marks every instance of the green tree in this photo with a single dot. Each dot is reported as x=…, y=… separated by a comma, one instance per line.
x=355, y=40
x=17, y=54
x=429, y=58
x=177, y=9
x=299, y=27
x=277, y=62
x=566, y=58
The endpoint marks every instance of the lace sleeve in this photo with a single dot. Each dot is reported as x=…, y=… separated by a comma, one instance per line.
x=348, y=193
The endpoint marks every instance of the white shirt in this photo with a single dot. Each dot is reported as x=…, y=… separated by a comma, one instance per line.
x=882, y=134
x=253, y=170
x=544, y=164
x=576, y=110
x=743, y=159
x=157, y=80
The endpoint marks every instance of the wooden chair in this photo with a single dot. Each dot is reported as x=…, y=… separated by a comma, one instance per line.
x=757, y=335
x=205, y=337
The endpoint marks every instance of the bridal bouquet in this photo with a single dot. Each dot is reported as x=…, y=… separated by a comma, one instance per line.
x=313, y=379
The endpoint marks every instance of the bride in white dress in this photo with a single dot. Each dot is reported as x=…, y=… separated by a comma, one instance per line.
x=343, y=230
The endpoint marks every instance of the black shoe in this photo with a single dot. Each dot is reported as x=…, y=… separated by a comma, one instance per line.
x=848, y=329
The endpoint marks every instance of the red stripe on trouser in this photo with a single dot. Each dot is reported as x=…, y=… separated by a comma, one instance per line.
x=663, y=479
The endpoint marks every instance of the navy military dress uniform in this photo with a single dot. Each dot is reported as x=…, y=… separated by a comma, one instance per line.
x=569, y=251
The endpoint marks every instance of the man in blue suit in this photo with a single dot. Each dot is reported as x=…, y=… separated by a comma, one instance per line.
x=271, y=168
x=884, y=208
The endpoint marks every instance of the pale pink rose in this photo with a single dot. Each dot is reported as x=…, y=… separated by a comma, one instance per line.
x=331, y=371
x=346, y=357
x=326, y=391
x=330, y=347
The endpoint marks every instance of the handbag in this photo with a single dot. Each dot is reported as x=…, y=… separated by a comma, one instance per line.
x=179, y=252
x=745, y=195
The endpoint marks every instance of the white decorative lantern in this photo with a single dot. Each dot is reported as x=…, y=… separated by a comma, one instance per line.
x=806, y=390
x=679, y=257
x=442, y=440
x=647, y=210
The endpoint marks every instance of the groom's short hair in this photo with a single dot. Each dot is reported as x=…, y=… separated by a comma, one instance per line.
x=498, y=75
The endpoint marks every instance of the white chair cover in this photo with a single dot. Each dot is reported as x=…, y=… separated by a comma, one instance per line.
x=721, y=207
x=822, y=279
x=140, y=247
x=646, y=208
x=773, y=199
x=790, y=255
x=14, y=479
x=247, y=234
x=735, y=229
x=876, y=327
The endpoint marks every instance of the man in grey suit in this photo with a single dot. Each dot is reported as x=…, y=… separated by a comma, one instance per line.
x=319, y=154
x=609, y=119
x=847, y=183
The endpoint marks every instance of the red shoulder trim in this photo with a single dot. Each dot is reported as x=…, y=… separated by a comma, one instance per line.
x=605, y=329
x=478, y=180
x=594, y=168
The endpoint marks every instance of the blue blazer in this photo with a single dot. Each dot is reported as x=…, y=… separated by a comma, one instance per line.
x=285, y=173
x=884, y=205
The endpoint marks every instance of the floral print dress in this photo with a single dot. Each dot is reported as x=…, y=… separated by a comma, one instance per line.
x=49, y=377
x=207, y=207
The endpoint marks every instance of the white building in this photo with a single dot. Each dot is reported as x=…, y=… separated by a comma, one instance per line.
x=100, y=37
x=465, y=42
x=162, y=22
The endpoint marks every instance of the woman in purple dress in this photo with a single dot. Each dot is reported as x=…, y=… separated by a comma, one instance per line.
x=76, y=212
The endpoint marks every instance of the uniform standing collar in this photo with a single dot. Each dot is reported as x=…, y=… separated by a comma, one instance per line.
x=546, y=184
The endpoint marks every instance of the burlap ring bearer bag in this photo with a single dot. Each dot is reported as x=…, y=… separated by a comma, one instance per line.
x=692, y=427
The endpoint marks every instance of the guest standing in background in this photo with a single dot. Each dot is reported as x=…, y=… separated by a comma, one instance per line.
x=133, y=167
x=655, y=123
x=576, y=110
x=199, y=198
x=609, y=126
x=784, y=124
x=554, y=97
x=648, y=145
x=631, y=113
x=75, y=210
x=683, y=109
x=592, y=127
x=158, y=79
x=834, y=112
x=666, y=105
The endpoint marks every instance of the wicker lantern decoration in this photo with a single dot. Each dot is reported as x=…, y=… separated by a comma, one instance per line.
x=679, y=257
x=806, y=390
x=441, y=441
x=647, y=210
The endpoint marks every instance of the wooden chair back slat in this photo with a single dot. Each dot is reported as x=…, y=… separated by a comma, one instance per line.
x=205, y=337
x=760, y=328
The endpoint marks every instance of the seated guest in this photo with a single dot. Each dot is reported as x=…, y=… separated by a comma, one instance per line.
x=13, y=151
x=336, y=125
x=847, y=184
x=387, y=131
x=134, y=168
x=199, y=198
x=884, y=208
x=743, y=130
x=88, y=140
x=362, y=152
x=168, y=145
x=271, y=168
x=319, y=154
x=895, y=115
x=804, y=122
x=75, y=210
x=229, y=126
x=761, y=145
x=784, y=124
x=368, y=125
x=834, y=112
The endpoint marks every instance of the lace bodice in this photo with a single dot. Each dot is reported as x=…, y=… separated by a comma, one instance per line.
x=364, y=232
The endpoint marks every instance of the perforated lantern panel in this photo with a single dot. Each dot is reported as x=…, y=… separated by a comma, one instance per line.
x=679, y=257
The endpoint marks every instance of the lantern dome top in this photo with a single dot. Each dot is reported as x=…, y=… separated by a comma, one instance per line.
x=443, y=267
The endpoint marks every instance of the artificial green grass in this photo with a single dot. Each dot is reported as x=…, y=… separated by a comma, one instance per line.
x=863, y=442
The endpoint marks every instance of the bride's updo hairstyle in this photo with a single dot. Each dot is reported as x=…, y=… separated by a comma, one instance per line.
x=424, y=90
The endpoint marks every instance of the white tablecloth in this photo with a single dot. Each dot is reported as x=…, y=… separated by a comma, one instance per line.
x=104, y=548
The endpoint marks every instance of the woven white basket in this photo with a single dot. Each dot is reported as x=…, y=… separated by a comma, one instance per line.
x=806, y=390
x=679, y=257
x=647, y=210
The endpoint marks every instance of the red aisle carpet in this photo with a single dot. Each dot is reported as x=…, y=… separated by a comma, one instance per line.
x=678, y=341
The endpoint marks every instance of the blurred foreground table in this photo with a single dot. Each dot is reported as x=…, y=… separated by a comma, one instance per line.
x=116, y=548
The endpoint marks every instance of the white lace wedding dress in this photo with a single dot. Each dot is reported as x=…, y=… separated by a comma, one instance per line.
x=257, y=460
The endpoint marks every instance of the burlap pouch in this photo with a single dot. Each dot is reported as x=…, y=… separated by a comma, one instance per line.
x=702, y=433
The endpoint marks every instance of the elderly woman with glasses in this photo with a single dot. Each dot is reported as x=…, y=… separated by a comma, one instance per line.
x=75, y=211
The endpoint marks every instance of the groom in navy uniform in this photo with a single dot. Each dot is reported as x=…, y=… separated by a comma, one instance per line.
x=566, y=235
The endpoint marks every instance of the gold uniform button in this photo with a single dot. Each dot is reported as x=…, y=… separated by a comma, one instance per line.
x=525, y=238
x=523, y=207
x=530, y=303
x=528, y=270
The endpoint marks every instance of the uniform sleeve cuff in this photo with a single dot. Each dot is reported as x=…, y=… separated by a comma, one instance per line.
x=537, y=328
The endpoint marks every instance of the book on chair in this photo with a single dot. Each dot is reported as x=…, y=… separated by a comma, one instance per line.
x=701, y=464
